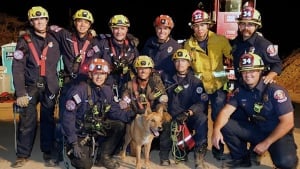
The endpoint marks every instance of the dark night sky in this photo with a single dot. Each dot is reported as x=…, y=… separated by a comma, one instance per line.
x=278, y=19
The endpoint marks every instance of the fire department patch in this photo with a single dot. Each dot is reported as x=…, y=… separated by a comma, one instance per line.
x=170, y=49
x=70, y=105
x=272, y=50
x=18, y=54
x=199, y=90
x=280, y=96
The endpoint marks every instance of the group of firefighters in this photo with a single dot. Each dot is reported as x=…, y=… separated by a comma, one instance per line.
x=107, y=81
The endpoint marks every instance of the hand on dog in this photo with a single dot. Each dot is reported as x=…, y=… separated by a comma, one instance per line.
x=77, y=151
x=182, y=117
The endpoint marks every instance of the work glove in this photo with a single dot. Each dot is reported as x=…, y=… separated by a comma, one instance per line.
x=182, y=117
x=77, y=151
x=23, y=101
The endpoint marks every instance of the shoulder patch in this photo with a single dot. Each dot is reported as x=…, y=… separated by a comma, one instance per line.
x=77, y=98
x=18, y=54
x=272, y=50
x=70, y=105
x=280, y=96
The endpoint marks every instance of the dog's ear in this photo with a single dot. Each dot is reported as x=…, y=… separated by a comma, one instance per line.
x=166, y=117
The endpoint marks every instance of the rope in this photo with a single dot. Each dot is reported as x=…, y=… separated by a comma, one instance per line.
x=178, y=154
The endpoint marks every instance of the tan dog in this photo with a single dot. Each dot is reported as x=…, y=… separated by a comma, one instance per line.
x=141, y=131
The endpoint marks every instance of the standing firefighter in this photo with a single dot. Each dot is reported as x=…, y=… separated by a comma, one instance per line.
x=119, y=49
x=36, y=81
x=208, y=51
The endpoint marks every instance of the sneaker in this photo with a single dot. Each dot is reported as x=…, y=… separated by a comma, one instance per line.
x=20, y=162
x=165, y=162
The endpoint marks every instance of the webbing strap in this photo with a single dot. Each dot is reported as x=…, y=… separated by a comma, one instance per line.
x=82, y=51
x=40, y=62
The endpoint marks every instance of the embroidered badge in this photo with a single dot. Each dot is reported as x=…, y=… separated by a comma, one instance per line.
x=96, y=48
x=272, y=50
x=18, y=54
x=199, y=90
x=70, y=105
x=170, y=49
x=204, y=97
x=77, y=98
x=90, y=53
x=280, y=96
x=50, y=44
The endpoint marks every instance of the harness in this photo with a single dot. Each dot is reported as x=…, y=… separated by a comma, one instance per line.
x=141, y=99
x=79, y=54
x=40, y=61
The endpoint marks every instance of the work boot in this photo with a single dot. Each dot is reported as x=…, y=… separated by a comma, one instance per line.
x=237, y=163
x=199, y=155
x=49, y=160
x=219, y=153
x=255, y=158
x=164, y=158
x=107, y=162
x=20, y=162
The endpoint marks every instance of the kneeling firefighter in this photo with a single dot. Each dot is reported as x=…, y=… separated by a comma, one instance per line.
x=91, y=115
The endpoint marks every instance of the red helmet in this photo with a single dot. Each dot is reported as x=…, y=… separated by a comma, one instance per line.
x=249, y=14
x=164, y=20
x=99, y=65
x=200, y=16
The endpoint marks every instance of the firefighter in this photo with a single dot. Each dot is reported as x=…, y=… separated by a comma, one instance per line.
x=92, y=112
x=209, y=52
x=146, y=91
x=271, y=119
x=78, y=48
x=187, y=100
x=35, y=80
x=162, y=46
x=120, y=49
x=250, y=40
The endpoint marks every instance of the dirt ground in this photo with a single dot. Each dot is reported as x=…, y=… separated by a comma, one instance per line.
x=7, y=150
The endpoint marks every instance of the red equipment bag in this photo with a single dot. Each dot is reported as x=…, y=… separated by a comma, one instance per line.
x=184, y=138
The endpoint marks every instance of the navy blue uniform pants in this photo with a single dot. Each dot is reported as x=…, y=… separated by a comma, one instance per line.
x=238, y=133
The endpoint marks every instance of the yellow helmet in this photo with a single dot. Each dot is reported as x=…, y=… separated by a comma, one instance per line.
x=182, y=54
x=99, y=65
x=164, y=20
x=119, y=20
x=143, y=61
x=251, y=61
x=37, y=12
x=249, y=14
x=83, y=14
